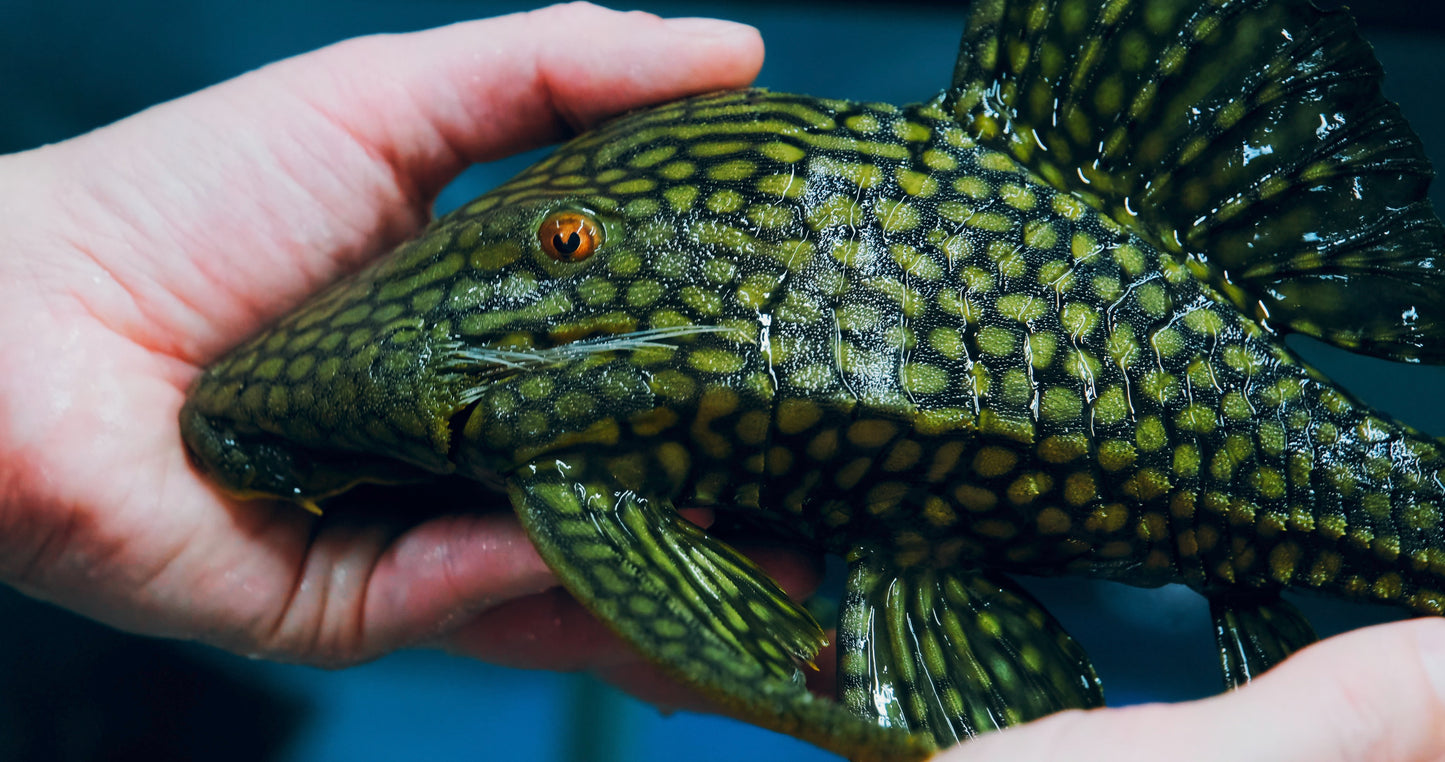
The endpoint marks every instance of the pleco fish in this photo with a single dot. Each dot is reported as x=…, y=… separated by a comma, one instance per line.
x=1031, y=325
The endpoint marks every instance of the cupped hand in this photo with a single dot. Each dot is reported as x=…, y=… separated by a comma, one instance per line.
x=134, y=255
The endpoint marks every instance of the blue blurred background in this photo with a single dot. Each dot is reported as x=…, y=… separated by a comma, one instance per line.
x=71, y=690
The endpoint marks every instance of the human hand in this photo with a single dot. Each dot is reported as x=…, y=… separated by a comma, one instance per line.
x=135, y=255
x=1373, y=695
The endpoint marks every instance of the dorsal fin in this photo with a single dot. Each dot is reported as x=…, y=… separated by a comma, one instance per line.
x=1247, y=135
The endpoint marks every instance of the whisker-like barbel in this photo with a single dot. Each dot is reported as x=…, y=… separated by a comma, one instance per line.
x=513, y=359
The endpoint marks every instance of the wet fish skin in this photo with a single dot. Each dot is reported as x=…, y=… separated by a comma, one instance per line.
x=909, y=337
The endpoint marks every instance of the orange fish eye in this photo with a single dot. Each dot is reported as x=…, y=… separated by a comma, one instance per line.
x=569, y=236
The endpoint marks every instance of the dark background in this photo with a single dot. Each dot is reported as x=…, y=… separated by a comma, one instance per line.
x=72, y=690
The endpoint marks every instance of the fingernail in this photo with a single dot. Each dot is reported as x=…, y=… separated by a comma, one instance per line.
x=1431, y=640
x=705, y=27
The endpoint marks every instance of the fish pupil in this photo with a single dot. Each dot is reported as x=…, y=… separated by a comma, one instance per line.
x=568, y=246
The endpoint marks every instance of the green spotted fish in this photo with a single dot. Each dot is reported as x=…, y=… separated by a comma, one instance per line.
x=1033, y=325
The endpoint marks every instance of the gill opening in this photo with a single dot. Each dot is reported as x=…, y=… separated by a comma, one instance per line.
x=457, y=427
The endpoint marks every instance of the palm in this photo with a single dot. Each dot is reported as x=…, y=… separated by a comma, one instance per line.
x=138, y=253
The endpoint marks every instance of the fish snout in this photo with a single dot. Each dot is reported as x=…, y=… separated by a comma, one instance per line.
x=305, y=425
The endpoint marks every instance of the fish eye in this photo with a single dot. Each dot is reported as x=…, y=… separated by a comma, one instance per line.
x=569, y=236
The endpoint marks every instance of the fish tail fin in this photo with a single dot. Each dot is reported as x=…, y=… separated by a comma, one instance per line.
x=1247, y=137
x=952, y=653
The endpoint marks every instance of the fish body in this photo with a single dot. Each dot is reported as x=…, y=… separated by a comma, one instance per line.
x=1031, y=325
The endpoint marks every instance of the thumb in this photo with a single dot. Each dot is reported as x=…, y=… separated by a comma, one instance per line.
x=1373, y=695
x=216, y=212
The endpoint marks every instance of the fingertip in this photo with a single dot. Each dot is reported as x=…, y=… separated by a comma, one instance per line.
x=636, y=59
x=577, y=15
x=1429, y=634
x=1373, y=695
x=434, y=100
x=732, y=50
x=735, y=48
x=699, y=26
x=1369, y=695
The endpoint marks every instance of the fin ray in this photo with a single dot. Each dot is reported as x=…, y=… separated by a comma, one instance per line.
x=699, y=609
x=1250, y=137
x=1255, y=631
x=953, y=653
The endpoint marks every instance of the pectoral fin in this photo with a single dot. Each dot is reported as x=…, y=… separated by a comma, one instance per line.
x=695, y=606
x=1255, y=631
x=953, y=653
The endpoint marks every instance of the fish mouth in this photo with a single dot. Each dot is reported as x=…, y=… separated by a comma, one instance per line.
x=250, y=461
x=252, y=464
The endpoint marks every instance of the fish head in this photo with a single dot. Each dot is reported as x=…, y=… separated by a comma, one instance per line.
x=590, y=301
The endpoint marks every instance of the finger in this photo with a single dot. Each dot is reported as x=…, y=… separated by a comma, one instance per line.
x=483, y=90
x=445, y=570
x=361, y=588
x=214, y=213
x=823, y=678
x=549, y=630
x=525, y=618
x=1374, y=695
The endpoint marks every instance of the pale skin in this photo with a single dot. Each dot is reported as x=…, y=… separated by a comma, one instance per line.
x=138, y=253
